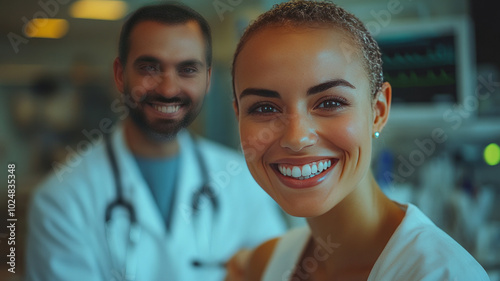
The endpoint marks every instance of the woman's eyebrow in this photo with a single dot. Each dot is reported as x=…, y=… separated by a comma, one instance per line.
x=311, y=91
x=259, y=92
x=329, y=84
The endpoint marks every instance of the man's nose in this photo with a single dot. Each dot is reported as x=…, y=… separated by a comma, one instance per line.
x=168, y=85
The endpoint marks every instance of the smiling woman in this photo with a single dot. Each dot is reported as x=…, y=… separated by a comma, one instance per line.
x=328, y=110
x=309, y=75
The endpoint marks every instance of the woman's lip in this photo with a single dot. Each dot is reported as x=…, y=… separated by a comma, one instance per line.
x=305, y=183
x=303, y=160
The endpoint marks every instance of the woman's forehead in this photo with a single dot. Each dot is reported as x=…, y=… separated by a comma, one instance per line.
x=279, y=51
x=276, y=40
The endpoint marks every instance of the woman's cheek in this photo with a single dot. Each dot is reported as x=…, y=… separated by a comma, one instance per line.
x=248, y=143
x=341, y=132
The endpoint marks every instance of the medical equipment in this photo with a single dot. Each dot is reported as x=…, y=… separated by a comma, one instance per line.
x=135, y=229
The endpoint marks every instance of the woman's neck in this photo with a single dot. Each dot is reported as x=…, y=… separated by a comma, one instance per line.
x=141, y=145
x=358, y=228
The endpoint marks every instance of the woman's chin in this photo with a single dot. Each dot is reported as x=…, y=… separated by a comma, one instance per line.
x=305, y=210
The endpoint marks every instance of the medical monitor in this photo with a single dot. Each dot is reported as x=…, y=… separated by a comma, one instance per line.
x=430, y=65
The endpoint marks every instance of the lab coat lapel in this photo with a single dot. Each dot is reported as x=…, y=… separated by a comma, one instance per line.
x=135, y=188
x=187, y=184
x=194, y=233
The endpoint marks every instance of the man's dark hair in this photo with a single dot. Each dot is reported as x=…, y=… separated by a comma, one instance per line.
x=168, y=13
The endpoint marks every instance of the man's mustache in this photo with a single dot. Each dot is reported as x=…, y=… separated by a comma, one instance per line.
x=153, y=97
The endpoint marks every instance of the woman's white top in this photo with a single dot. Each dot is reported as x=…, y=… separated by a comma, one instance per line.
x=418, y=250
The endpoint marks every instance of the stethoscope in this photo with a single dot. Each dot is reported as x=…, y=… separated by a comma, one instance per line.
x=134, y=233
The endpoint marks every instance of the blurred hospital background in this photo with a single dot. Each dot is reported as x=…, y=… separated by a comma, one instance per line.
x=439, y=151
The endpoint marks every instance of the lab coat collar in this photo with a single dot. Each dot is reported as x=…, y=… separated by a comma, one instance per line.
x=139, y=194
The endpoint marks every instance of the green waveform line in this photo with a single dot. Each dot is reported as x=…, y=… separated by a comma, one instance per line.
x=403, y=80
x=440, y=55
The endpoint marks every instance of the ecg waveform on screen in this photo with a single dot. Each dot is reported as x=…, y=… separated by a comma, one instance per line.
x=422, y=68
x=437, y=55
x=412, y=79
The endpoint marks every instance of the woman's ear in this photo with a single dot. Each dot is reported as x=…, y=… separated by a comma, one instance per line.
x=118, y=72
x=382, y=107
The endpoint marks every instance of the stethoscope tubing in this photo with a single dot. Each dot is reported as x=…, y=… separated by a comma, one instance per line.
x=135, y=229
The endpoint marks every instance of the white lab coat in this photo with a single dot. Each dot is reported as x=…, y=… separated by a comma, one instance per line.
x=66, y=234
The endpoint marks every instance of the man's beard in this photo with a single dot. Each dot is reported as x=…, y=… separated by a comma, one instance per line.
x=161, y=130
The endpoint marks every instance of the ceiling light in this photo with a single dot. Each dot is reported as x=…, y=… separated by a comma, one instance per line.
x=98, y=10
x=46, y=28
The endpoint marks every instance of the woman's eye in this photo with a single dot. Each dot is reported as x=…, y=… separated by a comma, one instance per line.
x=263, y=109
x=331, y=104
x=266, y=109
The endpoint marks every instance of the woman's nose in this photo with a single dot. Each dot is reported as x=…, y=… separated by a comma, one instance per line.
x=299, y=133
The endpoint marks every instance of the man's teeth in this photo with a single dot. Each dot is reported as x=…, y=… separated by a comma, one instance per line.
x=305, y=171
x=167, y=108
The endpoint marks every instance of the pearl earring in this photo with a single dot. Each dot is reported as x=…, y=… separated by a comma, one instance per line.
x=376, y=134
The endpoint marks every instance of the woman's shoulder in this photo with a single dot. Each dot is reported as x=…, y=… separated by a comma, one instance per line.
x=259, y=260
x=277, y=255
x=419, y=249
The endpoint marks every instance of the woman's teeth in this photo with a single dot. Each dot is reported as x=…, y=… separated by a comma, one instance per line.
x=167, y=109
x=305, y=171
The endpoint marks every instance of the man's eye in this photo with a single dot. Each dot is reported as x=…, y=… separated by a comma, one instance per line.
x=189, y=70
x=150, y=68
